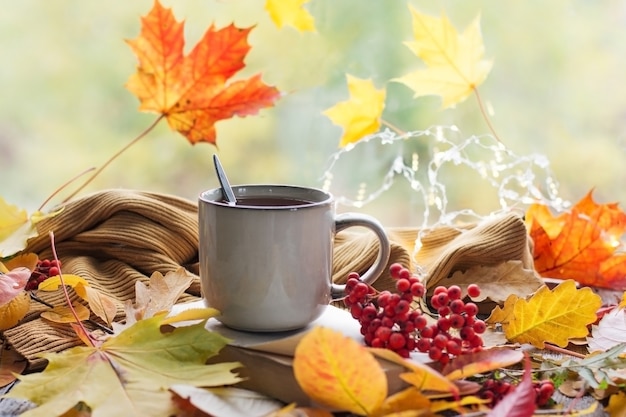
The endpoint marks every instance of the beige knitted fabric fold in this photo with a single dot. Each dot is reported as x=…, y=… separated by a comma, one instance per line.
x=114, y=238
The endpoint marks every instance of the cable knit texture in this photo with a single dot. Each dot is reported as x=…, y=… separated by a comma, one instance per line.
x=114, y=238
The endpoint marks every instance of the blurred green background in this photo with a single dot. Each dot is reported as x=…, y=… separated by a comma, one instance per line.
x=556, y=88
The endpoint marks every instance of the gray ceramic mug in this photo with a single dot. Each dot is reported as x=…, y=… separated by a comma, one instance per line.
x=266, y=263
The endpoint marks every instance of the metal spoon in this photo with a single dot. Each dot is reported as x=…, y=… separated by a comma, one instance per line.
x=227, y=191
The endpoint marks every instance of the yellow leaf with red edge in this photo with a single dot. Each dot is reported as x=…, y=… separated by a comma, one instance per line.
x=290, y=13
x=193, y=91
x=421, y=376
x=455, y=64
x=583, y=244
x=338, y=372
x=360, y=115
x=550, y=316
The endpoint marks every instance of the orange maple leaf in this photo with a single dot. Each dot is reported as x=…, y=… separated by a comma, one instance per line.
x=582, y=245
x=191, y=91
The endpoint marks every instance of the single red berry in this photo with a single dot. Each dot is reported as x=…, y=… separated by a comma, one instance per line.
x=403, y=285
x=471, y=309
x=440, y=289
x=423, y=344
x=383, y=333
x=361, y=289
x=440, y=341
x=444, y=324
x=356, y=310
x=394, y=269
x=377, y=343
x=479, y=326
x=404, y=274
x=427, y=332
x=420, y=322
x=457, y=321
x=454, y=292
x=473, y=290
x=383, y=298
x=467, y=333
x=442, y=299
x=457, y=306
x=434, y=353
x=402, y=307
x=443, y=311
x=397, y=341
x=53, y=271
x=453, y=348
x=369, y=313
x=418, y=289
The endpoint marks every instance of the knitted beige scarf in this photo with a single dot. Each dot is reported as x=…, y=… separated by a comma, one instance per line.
x=114, y=238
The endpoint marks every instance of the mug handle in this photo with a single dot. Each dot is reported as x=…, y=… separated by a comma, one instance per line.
x=345, y=220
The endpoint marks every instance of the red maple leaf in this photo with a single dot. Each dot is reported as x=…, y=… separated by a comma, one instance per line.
x=193, y=92
x=583, y=244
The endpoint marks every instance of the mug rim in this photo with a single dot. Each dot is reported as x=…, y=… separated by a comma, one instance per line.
x=274, y=189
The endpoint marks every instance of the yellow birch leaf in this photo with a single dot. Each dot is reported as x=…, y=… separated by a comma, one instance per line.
x=291, y=13
x=63, y=314
x=53, y=283
x=360, y=115
x=338, y=372
x=550, y=316
x=454, y=62
x=12, y=312
x=101, y=304
x=16, y=228
x=421, y=376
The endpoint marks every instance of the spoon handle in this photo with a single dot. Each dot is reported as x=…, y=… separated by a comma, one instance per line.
x=227, y=191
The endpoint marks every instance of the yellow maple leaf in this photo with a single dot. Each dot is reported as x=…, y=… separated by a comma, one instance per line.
x=454, y=62
x=291, y=13
x=360, y=115
x=549, y=316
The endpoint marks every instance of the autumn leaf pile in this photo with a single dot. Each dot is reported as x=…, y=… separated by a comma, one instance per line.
x=562, y=321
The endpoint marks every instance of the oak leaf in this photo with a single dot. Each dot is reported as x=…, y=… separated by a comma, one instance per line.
x=497, y=282
x=455, y=65
x=129, y=374
x=583, y=244
x=192, y=91
x=338, y=372
x=548, y=316
x=360, y=115
x=292, y=13
x=609, y=332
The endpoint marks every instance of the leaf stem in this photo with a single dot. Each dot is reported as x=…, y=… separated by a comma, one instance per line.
x=557, y=349
x=65, y=184
x=115, y=156
x=67, y=295
x=486, y=117
x=393, y=127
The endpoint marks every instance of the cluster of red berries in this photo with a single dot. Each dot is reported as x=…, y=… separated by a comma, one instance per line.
x=457, y=330
x=43, y=270
x=388, y=321
x=495, y=389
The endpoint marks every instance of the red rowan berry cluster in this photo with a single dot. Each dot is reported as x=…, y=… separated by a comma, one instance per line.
x=388, y=321
x=494, y=390
x=43, y=270
x=457, y=330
